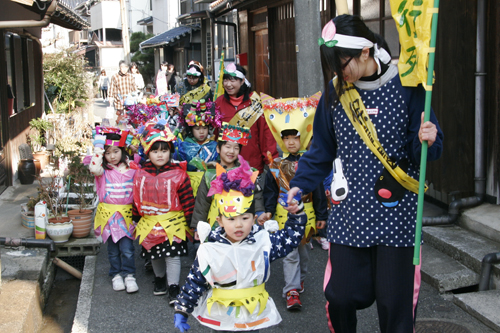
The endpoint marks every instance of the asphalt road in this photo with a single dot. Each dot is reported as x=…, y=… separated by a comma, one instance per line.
x=143, y=312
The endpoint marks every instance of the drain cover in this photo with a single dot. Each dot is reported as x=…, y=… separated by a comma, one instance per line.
x=436, y=326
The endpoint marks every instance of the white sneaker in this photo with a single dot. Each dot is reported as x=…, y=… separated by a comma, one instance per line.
x=118, y=283
x=131, y=284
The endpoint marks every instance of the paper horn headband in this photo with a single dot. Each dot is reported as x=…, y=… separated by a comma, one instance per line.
x=201, y=113
x=154, y=132
x=234, y=133
x=125, y=136
x=291, y=114
x=233, y=190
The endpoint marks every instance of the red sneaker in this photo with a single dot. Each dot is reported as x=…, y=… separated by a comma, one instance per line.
x=293, y=300
x=301, y=287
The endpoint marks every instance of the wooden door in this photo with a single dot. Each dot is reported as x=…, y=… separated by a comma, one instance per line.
x=261, y=75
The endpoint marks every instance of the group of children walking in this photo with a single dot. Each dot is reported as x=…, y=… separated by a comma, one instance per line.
x=202, y=189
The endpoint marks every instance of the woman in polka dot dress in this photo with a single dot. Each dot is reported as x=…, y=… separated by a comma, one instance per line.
x=371, y=226
x=164, y=201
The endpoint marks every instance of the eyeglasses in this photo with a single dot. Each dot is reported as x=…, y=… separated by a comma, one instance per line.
x=343, y=66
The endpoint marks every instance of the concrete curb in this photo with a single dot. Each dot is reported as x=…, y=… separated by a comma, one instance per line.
x=82, y=315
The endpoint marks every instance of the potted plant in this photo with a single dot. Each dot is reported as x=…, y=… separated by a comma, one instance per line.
x=36, y=139
x=28, y=212
x=59, y=227
x=81, y=183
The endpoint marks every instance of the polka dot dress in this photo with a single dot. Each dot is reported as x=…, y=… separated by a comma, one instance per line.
x=164, y=249
x=361, y=220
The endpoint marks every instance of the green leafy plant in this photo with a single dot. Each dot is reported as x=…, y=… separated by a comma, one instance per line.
x=144, y=58
x=38, y=129
x=64, y=80
x=81, y=181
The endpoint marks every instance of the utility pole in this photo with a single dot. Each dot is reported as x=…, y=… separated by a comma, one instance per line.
x=125, y=36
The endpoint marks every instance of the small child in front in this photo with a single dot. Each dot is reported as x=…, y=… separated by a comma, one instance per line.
x=164, y=201
x=225, y=288
x=113, y=220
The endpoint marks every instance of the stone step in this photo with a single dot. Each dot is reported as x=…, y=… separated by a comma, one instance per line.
x=443, y=272
x=483, y=305
x=484, y=220
x=466, y=247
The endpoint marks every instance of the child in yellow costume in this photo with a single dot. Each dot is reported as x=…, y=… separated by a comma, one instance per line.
x=225, y=288
x=290, y=121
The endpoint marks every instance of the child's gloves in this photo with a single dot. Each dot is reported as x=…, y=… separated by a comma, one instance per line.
x=180, y=322
x=296, y=199
x=99, y=141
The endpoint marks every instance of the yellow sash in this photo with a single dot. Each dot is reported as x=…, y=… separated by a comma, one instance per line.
x=248, y=297
x=174, y=224
x=105, y=211
x=195, y=94
x=356, y=112
x=281, y=216
x=195, y=178
x=249, y=115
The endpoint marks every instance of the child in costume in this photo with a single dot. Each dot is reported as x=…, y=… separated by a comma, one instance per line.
x=290, y=122
x=198, y=147
x=164, y=200
x=231, y=140
x=225, y=288
x=113, y=220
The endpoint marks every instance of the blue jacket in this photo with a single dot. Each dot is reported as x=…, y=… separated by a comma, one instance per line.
x=189, y=148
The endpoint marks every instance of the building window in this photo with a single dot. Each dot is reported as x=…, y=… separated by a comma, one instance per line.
x=224, y=39
x=20, y=70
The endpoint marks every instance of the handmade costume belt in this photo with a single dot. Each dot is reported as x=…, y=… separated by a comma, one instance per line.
x=281, y=216
x=247, y=297
x=173, y=223
x=195, y=178
x=105, y=211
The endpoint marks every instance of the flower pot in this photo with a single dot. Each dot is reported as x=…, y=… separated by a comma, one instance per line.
x=61, y=219
x=28, y=219
x=27, y=171
x=59, y=232
x=38, y=167
x=82, y=222
x=43, y=158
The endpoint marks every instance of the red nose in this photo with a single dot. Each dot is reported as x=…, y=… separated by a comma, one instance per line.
x=384, y=193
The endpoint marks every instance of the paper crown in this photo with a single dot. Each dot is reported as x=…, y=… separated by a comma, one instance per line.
x=233, y=190
x=234, y=133
x=125, y=136
x=154, y=132
x=171, y=100
x=290, y=114
x=201, y=113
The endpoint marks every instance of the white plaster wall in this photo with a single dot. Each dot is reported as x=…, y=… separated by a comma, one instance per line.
x=138, y=10
x=105, y=14
x=164, y=15
x=54, y=38
x=109, y=59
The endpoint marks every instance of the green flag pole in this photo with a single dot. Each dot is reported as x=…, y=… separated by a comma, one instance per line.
x=427, y=115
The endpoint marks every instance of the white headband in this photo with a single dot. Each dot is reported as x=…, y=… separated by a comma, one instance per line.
x=231, y=70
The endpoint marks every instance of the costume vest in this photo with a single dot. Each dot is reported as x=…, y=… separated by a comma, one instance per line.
x=236, y=273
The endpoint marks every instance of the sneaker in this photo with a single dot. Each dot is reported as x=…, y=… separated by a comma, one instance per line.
x=173, y=291
x=131, y=284
x=148, y=266
x=325, y=245
x=118, y=283
x=301, y=287
x=160, y=286
x=293, y=300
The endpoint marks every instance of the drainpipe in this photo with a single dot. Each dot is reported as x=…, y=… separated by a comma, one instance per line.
x=479, y=164
x=16, y=242
x=31, y=23
x=484, y=278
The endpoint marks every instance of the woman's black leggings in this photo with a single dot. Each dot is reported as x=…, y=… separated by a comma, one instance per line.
x=104, y=93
